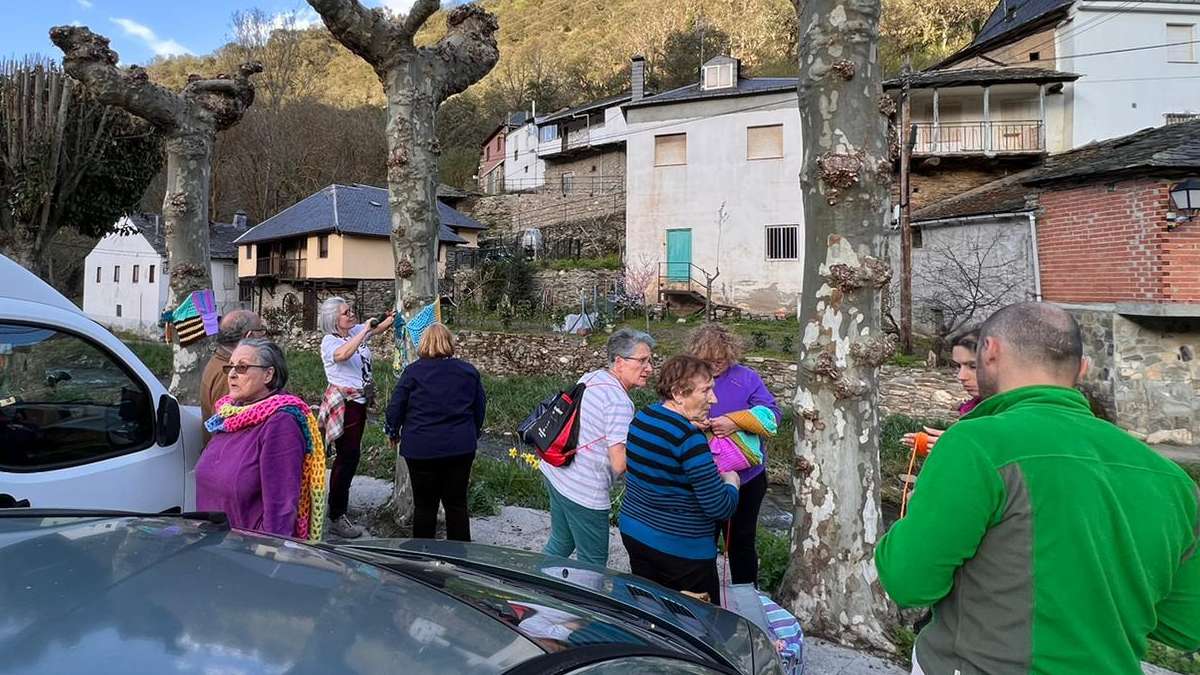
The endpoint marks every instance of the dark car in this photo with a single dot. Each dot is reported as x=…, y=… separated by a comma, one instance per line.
x=105, y=592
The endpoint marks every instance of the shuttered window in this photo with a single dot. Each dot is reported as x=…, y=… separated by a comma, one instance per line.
x=783, y=242
x=718, y=77
x=670, y=150
x=1180, y=37
x=151, y=274
x=764, y=142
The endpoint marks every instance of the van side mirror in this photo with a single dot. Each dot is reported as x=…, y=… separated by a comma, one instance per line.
x=167, y=427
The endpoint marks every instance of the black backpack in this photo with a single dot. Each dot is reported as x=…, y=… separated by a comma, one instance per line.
x=553, y=427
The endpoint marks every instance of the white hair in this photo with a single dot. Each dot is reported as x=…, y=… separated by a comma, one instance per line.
x=327, y=316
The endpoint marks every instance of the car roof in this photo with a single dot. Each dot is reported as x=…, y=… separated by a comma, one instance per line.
x=18, y=283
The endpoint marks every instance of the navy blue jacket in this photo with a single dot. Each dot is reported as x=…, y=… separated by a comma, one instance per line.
x=438, y=407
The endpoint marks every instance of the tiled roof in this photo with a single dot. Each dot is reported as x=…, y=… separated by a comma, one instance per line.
x=587, y=107
x=930, y=79
x=1009, y=20
x=1170, y=148
x=745, y=87
x=220, y=235
x=349, y=209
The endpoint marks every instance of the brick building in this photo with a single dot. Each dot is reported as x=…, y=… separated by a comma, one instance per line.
x=494, y=151
x=1111, y=248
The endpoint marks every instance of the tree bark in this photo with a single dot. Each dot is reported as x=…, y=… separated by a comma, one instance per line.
x=416, y=80
x=831, y=583
x=189, y=121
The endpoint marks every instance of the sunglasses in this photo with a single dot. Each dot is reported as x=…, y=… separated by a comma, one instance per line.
x=241, y=368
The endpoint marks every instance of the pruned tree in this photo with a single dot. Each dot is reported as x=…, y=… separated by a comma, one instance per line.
x=831, y=582
x=189, y=122
x=66, y=161
x=416, y=80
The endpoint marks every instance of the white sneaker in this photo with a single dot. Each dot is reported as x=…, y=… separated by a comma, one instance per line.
x=344, y=529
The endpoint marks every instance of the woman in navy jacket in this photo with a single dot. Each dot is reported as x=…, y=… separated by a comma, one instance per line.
x=437, y=409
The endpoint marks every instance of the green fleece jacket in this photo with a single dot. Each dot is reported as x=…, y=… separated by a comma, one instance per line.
x=1047, y=541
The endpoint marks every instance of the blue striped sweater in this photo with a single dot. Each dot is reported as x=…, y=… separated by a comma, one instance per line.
x=674, y=495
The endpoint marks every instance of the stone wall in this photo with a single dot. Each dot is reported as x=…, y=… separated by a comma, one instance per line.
x=561, y=288
x=1098, y=347
x=916, y=392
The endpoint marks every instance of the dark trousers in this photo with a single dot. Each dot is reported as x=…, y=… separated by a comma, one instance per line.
x=679, y=574
x=345, y=463
x=443, y=480
x=742, y=530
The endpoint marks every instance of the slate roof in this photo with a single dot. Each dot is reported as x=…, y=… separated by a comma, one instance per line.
x=1004, y=26
x=1169, y=148
x=220, y=236
x=349, y=209
x=749, y=86
x=587, y=107
x=930, y=79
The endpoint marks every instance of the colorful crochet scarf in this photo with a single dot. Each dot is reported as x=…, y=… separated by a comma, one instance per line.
x=310, y=512
x=743, y=449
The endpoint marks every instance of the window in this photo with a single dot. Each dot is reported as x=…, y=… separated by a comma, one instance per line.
x=783, y=242
x=1035, y=56
x=71, y=402
x=97, y=275
x=514, y=154
x=150, y=276
x=670, y=150
x=568, y=182
x=135, y=273
x=1176, y=118
x=230, y=277
x=1180, y=37
x=548, y=133
x=526, y=169
x=117, y=273
x=718, y=77
x=918, y=238
x=245, y=293
x=764, y=142
x=323, y=246
x=247, y=252
x=118, y=311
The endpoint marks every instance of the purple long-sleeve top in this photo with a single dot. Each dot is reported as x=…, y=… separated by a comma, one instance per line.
x=740, y=388
x=253, y=475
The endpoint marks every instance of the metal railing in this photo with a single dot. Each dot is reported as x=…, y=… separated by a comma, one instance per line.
x=973, y=138
x=681, y=277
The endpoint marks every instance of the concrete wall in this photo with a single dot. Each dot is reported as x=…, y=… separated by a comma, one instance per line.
x=331, y=267
x=954, y=256
x=142, y=302
x=1133, y=89
x=756, y=193
x=524, y=170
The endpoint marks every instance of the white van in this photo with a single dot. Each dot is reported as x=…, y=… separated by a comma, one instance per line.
x=83, y=422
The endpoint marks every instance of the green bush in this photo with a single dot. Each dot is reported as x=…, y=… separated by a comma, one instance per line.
x=156, y=355
x=774, y=551
x=1173, y=659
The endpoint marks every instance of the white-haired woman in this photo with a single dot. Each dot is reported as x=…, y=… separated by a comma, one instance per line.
x=347, y=361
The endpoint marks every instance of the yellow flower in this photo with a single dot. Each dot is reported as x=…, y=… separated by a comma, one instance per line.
x=512, y=452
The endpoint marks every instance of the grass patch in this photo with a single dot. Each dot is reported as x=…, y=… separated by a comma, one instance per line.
x=906, y=360
x=904, y=638
x=1173, y=659
x=774, y=551
x=496, y=483
x=608, y=262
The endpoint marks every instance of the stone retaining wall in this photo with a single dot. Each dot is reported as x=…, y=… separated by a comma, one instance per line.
x=916, y=392
x=562, y=288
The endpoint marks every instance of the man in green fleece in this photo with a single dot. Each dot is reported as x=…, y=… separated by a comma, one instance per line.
x=1046, y=540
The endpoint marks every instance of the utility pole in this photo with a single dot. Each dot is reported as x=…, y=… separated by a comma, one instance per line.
x=906, y=145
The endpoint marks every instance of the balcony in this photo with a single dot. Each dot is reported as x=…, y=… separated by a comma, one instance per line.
x=282, y=268
x=979, y=138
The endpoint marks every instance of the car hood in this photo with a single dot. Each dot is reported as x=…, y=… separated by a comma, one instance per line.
x=727, y=633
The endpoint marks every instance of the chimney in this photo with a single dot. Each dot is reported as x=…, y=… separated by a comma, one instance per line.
x=239, y=219
x=637, y=77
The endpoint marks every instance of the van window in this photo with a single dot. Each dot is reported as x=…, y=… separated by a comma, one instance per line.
x=64, y=401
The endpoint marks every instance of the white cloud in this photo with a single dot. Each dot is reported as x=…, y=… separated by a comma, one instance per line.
x=398, y=6
x=145, y=34
x=86, y=4
x=299, y=19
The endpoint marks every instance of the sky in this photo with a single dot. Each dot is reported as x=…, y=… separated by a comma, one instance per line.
x=139, y=30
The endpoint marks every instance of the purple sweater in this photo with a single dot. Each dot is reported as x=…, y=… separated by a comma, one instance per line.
x=253, y=475
x=740, y=388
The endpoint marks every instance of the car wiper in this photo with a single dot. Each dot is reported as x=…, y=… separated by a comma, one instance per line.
x=214, y=517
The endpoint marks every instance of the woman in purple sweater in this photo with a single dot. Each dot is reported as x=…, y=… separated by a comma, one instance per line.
x=736, y=388
x=251, y=469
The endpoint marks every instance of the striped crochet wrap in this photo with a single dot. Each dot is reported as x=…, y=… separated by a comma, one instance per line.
x=743, y=449
x=310, y=511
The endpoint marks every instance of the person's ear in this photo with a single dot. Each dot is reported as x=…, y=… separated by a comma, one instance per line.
x=1084, y=365
x=989, y=351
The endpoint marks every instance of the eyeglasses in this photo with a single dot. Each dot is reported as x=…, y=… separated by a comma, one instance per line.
x=241, y=368
x=645, y=360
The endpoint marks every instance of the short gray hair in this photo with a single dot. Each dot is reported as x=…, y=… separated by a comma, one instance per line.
x=271, y=356
x=235, y=325
x=328, y=315
x=623, y=342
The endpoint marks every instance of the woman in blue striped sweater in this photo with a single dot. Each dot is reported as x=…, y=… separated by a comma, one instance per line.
x=674, y=495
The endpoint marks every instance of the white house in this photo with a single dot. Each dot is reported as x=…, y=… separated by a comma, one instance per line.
x=126, y=277
x=711, y=183
x=523, y=169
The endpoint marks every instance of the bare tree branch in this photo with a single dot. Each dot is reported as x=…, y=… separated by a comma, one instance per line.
x=366, y=32
x=468, y=50
x=417, y=16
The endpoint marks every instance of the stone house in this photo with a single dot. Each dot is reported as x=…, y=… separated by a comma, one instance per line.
x=126, y=277
x=711, y=174
x=335, y=242
x=1106, y=241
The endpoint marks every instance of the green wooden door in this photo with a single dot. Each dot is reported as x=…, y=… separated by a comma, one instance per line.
x=679, y=255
